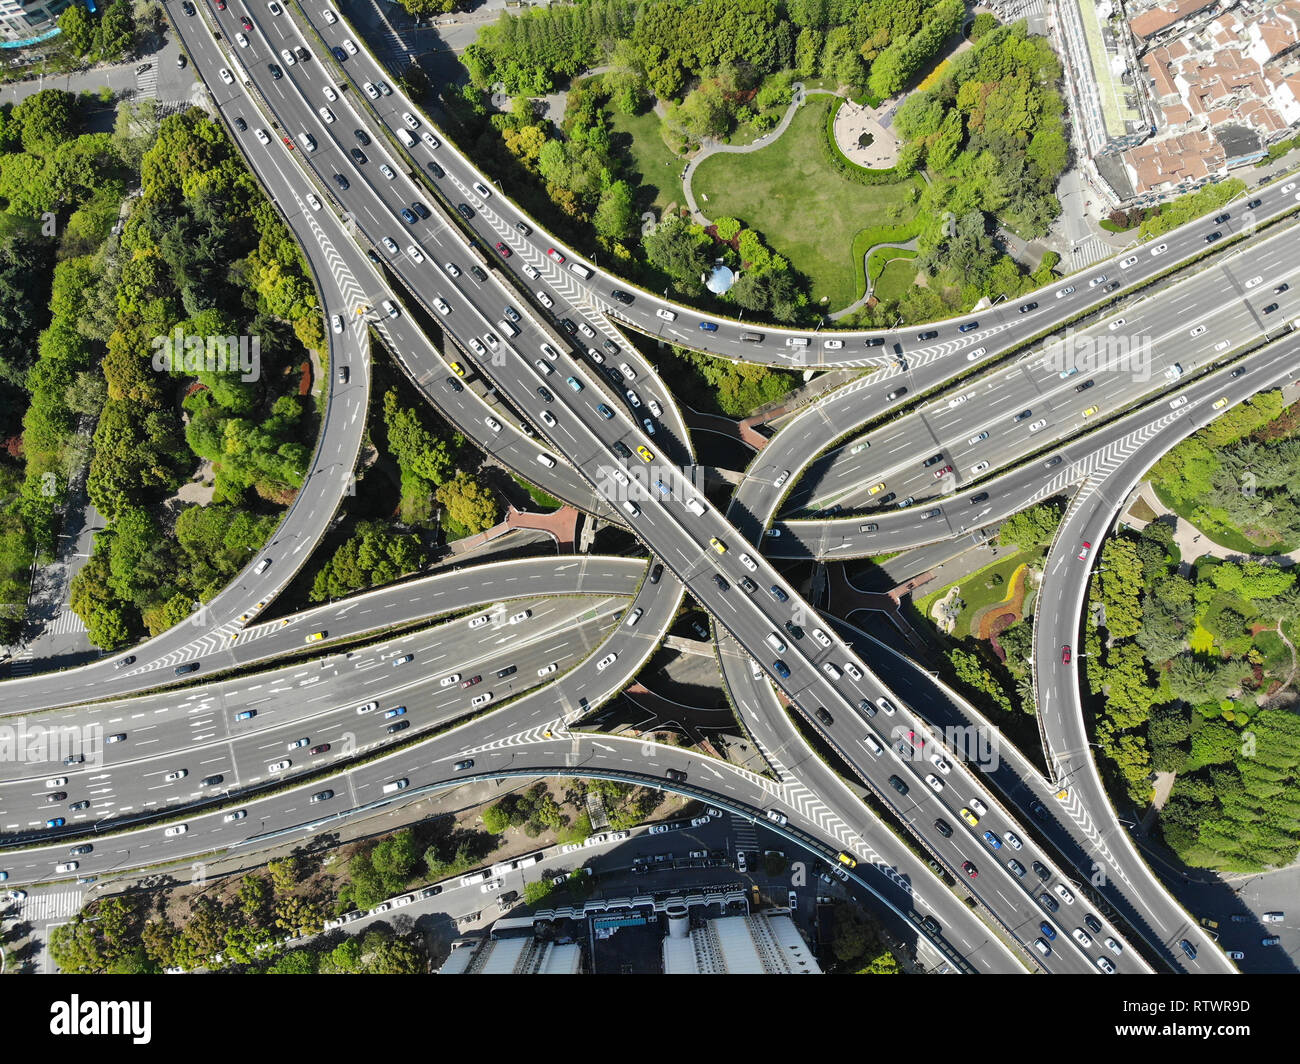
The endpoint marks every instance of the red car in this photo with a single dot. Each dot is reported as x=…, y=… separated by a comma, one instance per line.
x=322, y=749
x=470, y=682
x=1083, y=551
x=246, y=22
x=916, y=740
x=288, y=142
x=942, y=472
x=555, y=255
x=970, y=870
x=221, y=5
x=504, y=251
x=1065, y=654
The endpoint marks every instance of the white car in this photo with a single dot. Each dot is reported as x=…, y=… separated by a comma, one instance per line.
x=531, y=272
x=279, y=766
x=387, y=171
x=176, y=829
x=391, y=245
x=1222, y=345
x=546, y=670
x=336, y=323
x=977, y=353
x=586, y=330
x=1013, y=840
x=476, y=345
x=523, y=615
x=415, y=254
x=492, y=423
x=979, y=807
x=605, y=662
x=1063, y=893
x=936, y=759
x=368, y=707
x=549, y=352
x=853, y=670
x=657, y=410
x=749, y=563
x=67, y=866
x=261, y=136
x=1124, y=264
x=326, y=114
x=312, y=201
x=440, y=305
x=491, y=340
x=481, y=700
x=452, y=269
x=1061, y=293
x=1253, y=282
x=821, y=637
x=330, y=94
x=1159, y=249
x=620, y=476
x=543, y=367
x=179, y=774
x=238, y=814
x=226, y=76
x=287, y=56
x=1117, y=323
x=241, y=40
x=348, y=46
x=274, y=8
x=957, y=400
x=934, y=782
x=371, y=91
x=382, y=907
x=1034, y=426
x=979, y=467
x=1198, y=331
x=548, y=418
x=410, y=120
x=429, y=139
x=700, y=821
x=479, y=621
x=482, y=190
x=545, y=300
x=447, y=681
x=1176, y=403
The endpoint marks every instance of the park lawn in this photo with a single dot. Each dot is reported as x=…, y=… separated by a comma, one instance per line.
x=896, y=278
x=976, y=591
x=1277, y=658
x=659, y=168
x=804, y=209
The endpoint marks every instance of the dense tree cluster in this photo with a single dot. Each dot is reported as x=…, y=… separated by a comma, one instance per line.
x=373, y=555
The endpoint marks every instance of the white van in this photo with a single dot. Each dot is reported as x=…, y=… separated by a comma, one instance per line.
x=870, y=742
x=667, y=315
x=389, y=308
x=776, y=643
x=581, y=270
x=695, y=506
x=308, y=141
x=406, y=138
x=797, y=341
x=546, y=460
x=509, y=328
x=632, y=508
x=830, y=670
x=396, y=785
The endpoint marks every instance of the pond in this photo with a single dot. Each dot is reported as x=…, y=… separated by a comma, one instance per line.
x=866, y=140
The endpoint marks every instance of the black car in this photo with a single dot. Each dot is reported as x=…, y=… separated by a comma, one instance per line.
x=898, y=785
x=461, y=766
x=1085, y=385
x=56, y=796
x=620, y=449
x=1270, y=308
x=1023, y=415
x=568, y=327
x=943, y=828
x=1111, y=287
x=656, y=573
x=983, y=496
x=1048, y=902
x=1283, y=287
x=885, y=500
x=342, y=182
x=676, y=775
x=400, y=725
x=876, y=341
x=968, y=326
x=1253, y=204
x=824, y=717
x=465, y=211
x=362, y=136
x=610, y=347
x=436, y=170
x=721, y=581
x=359, y=156
x=301, y=52
x=1027, y=307
x=614, y=376
x=896, y=393
x=339, y=54
x=928, y=335
x=128, y=660
x=188, y=667
x=420, y=208
x=188, y=8
x=83, y=804
x=794, y=629
x=80, y=851
x=1212, y=237
x=934, y=459
x=240, y=124
x=322, y=796
x=509, y=670
x=931, y=924
x=867, y=708
x=1222, y=218
x=478, y=274
x=455, y=385
x=1041, y=871
x=370, y=254
x=777, y=593
x=1238, y=371
x=749, y=585
x=1055, y=460
x=622, y=296
x=1094, y=925
x=275, y=70
x=524, y=228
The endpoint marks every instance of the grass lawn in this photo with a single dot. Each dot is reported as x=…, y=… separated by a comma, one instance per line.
x=659, y=168
x=896, y=278
x=1277, y=659
x=804, y=209
x=978, y=590
x=546, y=502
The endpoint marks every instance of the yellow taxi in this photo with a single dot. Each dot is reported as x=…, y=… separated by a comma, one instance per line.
x=876, y=489
x=846, y=860
x=718, y=545
x=644, y=452
x=1090, y=411
x=969, y=817
x=1221, y=402
x=458, y=369
x=315, y=637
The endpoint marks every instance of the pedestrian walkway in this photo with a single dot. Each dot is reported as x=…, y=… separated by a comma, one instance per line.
x=67, y=623
x=49, y=905
x=146, y=83
x=1191, y=541
x=21, y=664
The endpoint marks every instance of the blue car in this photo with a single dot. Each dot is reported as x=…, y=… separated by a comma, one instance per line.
x=573, y=383
x=339, y=54
x=1049, y=932
x=782, y=669
x=408, y=216
x=247, y=714
x=708, y=326
x=57, y=822
x=399, y=711
x=604, y=411
x=993, y=840
x=968, y=326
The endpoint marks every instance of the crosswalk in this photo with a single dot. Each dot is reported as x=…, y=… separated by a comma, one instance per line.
x=1091, y=250
x=21, y=664
x=66, y=623
x=146, y=83
x=49, y=905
